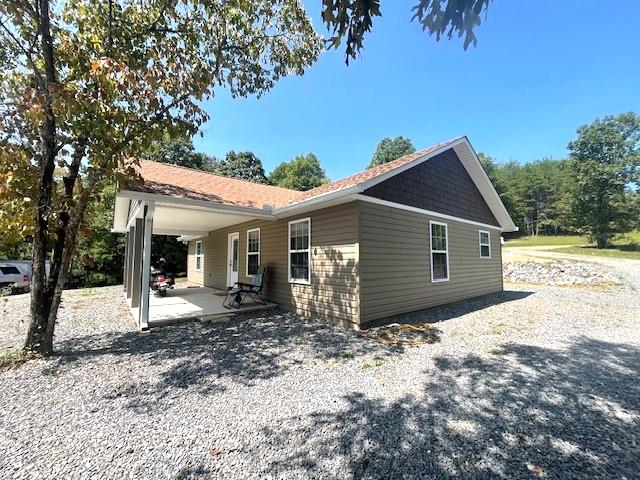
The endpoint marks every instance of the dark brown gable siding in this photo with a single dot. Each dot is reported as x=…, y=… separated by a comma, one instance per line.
x=440, y=184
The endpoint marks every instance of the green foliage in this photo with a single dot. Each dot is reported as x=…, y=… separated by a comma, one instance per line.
x=354, y=18
x=302, y=173
x=243, y=165
x=390, y=149
x=99, y=257
x=535, y=193
x=604, y=162
x=86, y=86
x=14, y=357
x=180, y=151
x=169, y=254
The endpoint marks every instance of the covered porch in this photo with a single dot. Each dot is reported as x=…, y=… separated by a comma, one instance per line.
x=193, y=303
x=139, y=215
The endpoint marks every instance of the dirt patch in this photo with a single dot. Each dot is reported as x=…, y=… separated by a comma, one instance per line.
x=404, y=334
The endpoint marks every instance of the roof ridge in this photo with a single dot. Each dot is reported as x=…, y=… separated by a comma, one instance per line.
x=205, y=172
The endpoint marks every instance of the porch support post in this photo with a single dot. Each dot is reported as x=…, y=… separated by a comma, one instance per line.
x=146, y=266
x=126, y=259
x=136, y=264
x=129, y=261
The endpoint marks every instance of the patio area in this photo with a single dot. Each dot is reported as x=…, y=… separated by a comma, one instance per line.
x=193, y=303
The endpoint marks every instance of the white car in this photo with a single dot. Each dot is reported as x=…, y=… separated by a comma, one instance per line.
x=14, y=276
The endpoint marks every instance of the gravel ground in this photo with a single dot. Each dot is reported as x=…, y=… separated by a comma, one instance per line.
x=535, y=382
x=558, y=272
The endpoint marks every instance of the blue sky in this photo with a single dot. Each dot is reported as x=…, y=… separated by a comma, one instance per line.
x=540, y=70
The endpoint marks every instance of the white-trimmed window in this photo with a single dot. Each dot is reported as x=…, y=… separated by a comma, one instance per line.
x=253, y=251
x=484, y=238
x=300, y=251
x=199, y=255
x=439, y=252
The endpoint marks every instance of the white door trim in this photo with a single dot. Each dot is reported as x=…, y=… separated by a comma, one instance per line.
x=232, y=277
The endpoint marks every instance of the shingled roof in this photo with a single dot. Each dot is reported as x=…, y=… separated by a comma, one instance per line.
x=370, y=174
x=182, y=182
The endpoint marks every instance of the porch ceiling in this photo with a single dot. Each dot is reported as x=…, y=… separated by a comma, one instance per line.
x=178, y=220
x=181, y=217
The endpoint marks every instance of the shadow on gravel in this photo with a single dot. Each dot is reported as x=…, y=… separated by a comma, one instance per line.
x=203, y=356
x=526, y=412
x=454, y=310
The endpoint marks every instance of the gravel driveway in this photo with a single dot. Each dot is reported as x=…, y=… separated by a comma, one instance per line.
x=535, y=382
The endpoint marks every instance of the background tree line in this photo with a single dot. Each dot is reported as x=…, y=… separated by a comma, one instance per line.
x=576, y=194
x=87, y=86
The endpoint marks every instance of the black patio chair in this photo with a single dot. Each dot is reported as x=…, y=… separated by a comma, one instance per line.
x=240, y=291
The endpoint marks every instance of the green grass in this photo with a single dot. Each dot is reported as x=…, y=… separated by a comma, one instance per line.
x=14, y=357
x=376, y=362
x=626, y=246
x=626, y=243
x=542, y=241
x=631, y=251
x=633, y=237
x=89, y=292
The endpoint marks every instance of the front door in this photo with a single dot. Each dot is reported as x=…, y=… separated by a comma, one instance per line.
x=233, y=257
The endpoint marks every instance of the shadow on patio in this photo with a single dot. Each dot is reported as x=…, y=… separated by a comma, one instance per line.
x=526, y=412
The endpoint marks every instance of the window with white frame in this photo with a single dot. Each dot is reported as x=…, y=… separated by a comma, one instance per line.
x=198, y=255
x=485, y=244
x=300, y=251
x=439, y=252
x=253, y=251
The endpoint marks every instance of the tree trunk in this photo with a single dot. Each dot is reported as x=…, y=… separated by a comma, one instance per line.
x=601, y=240
x=40, y=334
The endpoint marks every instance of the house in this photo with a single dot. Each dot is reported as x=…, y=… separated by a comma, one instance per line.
x=421, y=231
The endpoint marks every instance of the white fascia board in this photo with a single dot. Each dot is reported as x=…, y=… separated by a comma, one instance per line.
x=413, y=163
x=355, y=192
x=328, y=199
x=431, y=213
x=192, y=236
x=137, y=213
x=265, y=213
x=120, y=215
x=181, y=233
x=493, y=199
x=344, y=195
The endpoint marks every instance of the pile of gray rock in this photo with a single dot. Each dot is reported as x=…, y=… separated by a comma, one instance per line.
x=559, y=272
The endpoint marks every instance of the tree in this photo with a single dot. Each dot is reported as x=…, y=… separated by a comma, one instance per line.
x=605, y=161
x=99, y=255
x=354, y=18
x=244, y=165
x=533, y=193
x=390, y=149
x=180, y=151
x=17, y=180
x=302, y=173
x=87, y=85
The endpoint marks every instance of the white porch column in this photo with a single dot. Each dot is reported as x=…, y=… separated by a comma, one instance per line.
x=129, y=261
x=146, y=265
x=136, y=265
x=126, y=261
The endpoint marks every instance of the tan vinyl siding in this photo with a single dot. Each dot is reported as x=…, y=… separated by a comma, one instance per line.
x=333, y=293
x=207, y=261
x=395, y=269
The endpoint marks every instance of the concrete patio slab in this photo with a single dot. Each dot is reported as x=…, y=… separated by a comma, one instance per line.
x=193, y=303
